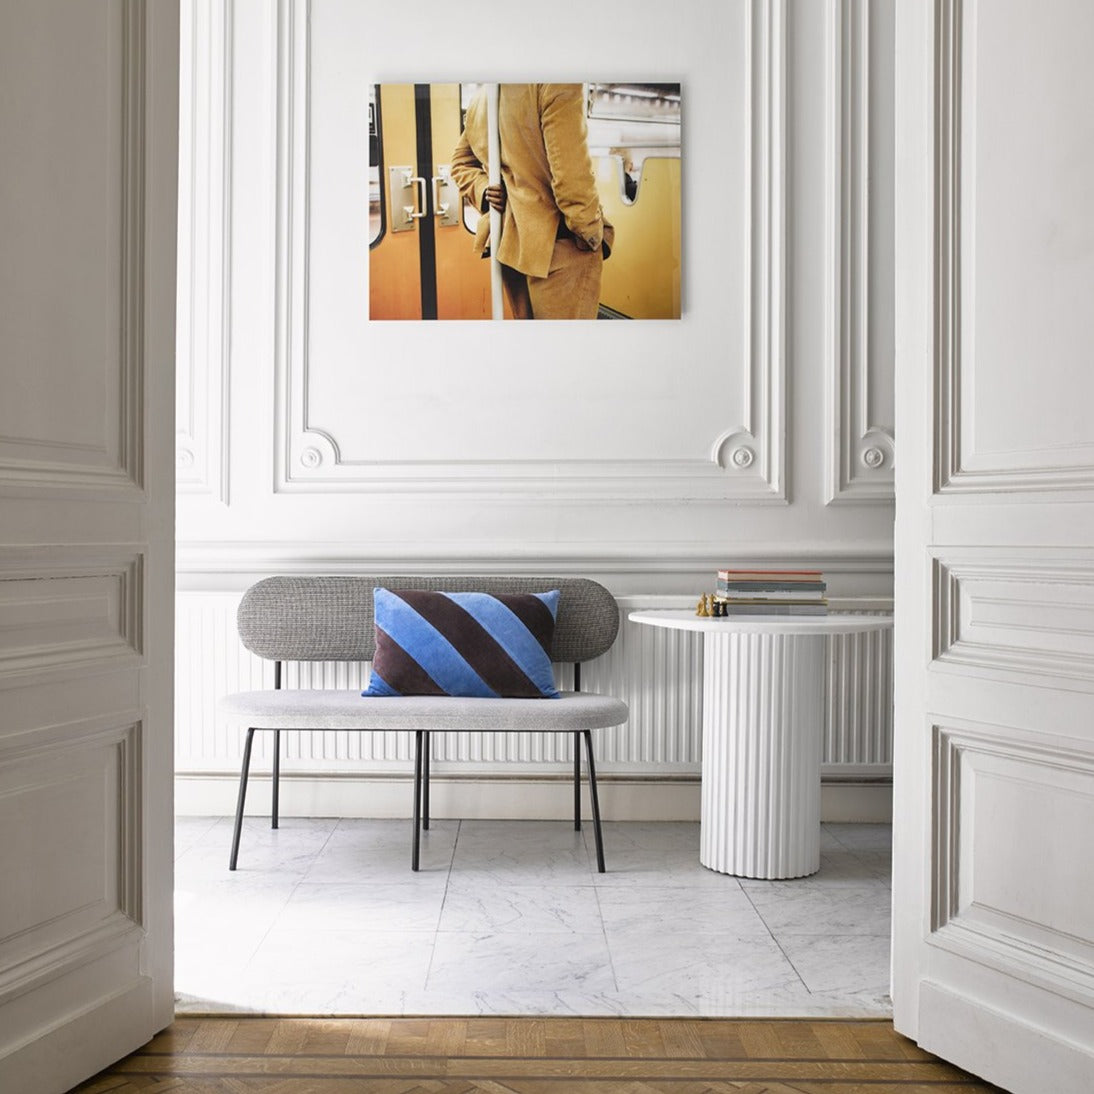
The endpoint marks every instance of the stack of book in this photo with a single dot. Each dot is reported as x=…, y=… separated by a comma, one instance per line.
x=771, y=592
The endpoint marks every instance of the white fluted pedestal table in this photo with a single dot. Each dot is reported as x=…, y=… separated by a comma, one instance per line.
x=763, y=727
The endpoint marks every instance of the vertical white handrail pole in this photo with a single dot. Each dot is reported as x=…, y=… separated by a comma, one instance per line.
x=493, y=143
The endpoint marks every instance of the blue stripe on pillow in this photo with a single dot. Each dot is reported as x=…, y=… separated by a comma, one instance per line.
x=426, y=645
x=511, y=634
x=379, y=687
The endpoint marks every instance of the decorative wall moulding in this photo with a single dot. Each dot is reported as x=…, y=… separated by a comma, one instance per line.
x=203, y=339
x=309, y=458
x=63, y=609
x=114, y=463
x=983, y=773
x=960, y=464
x=860, y=450
x=260, y=557
x=1012, y=614
x=90, y=770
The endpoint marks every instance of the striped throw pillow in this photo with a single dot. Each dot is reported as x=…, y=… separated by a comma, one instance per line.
x=469, y=644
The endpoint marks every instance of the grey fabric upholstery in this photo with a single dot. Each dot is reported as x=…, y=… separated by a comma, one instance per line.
x=330, y=618
x=318, y=710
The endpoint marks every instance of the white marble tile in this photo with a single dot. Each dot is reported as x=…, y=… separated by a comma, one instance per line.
x=841, y=867
x=795, y=907
x=792, y=1003
x=575, y=1002
x=223, y=951
x=321, y=999
x=245, y=994
x=376, y=906
x=221, y=999
x=840, y=963
x=486, y=837
x=360, y=850
x=368, y=962
x=855, y=1004
x=495, y=909
x=642, y=868
x=863, y=837
x=208, y=906
x=627, y=836
x=535, y=845
x=711, y=910
x=189, y=831
x=539, y=872
x=713, y=967
x=521, y=854
x=326, y=917
x=520, y=962
x=288, y=850
x=880, y=862
x=655, y=854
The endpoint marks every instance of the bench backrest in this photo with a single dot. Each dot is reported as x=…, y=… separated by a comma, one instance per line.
x=330, y=618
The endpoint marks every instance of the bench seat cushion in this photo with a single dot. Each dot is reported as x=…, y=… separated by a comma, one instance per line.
x=330, y=709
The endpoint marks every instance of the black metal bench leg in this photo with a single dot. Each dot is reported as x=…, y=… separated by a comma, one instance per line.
x=276, y=778
x=577, y=782
x=242, y=799
x=416, y=846
x=425, y=781
x=594, y=801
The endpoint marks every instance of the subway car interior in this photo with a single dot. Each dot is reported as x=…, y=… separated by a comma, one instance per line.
x=422, y=264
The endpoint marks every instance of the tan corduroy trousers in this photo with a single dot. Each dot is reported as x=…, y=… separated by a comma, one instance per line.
x=571, y=289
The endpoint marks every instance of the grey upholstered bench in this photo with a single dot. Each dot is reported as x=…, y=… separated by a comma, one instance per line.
x=331, y=619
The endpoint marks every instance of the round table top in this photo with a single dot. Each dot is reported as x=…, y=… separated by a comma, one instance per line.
x=685, y=619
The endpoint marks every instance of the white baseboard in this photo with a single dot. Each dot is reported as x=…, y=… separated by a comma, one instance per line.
x=623, y=798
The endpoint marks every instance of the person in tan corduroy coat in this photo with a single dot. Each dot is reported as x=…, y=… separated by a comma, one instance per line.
x=554, y=238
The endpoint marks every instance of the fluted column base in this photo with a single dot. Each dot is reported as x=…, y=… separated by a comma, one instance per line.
x=763, y=715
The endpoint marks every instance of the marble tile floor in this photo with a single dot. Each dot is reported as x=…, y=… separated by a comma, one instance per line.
x=325, y=917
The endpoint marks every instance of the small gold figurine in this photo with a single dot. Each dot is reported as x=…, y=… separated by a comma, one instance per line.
x=701, y=608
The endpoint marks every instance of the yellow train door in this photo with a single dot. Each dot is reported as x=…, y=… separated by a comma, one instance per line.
x=421, y=262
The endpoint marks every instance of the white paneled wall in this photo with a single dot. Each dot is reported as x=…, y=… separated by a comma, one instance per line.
x=754, y=431
x=657, y=672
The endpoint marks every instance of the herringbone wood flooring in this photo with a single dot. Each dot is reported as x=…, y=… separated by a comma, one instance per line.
x=530, y=1056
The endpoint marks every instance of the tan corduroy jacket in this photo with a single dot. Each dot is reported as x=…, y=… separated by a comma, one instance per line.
x=546, y=169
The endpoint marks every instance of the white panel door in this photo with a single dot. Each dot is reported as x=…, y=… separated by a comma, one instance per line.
x=89, y=133
x=993, y=964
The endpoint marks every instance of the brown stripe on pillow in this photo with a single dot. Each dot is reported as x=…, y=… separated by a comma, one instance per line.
x=399, y=670
x=534, y=614
x=474, y=643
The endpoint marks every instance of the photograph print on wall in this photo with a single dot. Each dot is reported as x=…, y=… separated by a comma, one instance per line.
x=588, y=201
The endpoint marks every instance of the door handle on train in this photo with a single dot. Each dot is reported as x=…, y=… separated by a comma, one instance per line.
x=419, y=182
x=407, y=198
x=439, y=207
x=446, y=206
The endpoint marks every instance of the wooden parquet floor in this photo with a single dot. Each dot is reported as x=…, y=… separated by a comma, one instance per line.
x=530, y=1056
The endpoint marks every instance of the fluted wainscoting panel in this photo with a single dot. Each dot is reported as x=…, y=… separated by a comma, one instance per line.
x=858, y=724
x=658, y=672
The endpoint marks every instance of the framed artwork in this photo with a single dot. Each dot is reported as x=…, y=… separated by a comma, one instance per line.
x=588, y=200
